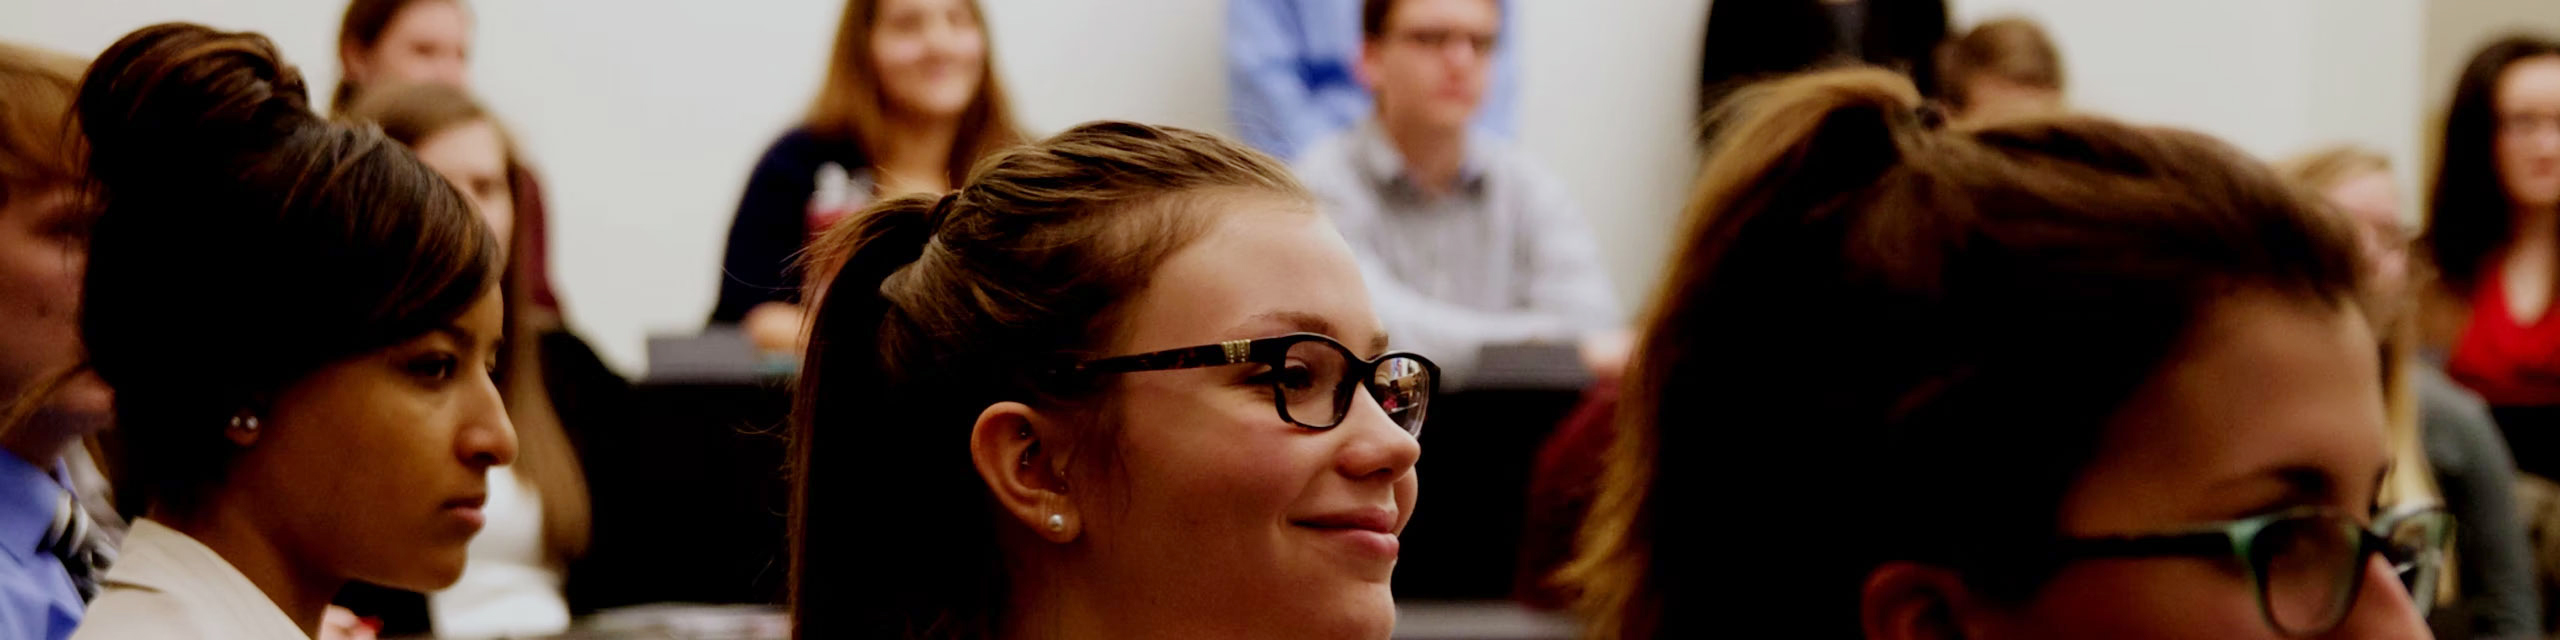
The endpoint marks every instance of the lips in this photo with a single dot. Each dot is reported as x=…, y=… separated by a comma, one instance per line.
x=467, y=509
x=1378, y=520
x=1367, y=534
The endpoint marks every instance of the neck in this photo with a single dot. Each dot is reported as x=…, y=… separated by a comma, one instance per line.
x=219, y=524
x=1433, y=155
x=916, y=156
x=2537, y=225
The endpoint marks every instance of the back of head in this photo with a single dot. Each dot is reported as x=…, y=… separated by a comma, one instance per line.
x=36, y=144
x=2468, y=206
x=1885, y=341
x=2015, y=50
x=242, y=242
x=940, y=308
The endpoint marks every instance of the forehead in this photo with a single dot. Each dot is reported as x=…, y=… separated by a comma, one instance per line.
x=1443, y=13
x=2531, y=83
x=428, y=19
x=2265, y=383
x=1261, y=260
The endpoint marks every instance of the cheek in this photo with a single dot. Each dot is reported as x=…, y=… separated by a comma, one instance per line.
x=2149, y=598
x=1216, y=464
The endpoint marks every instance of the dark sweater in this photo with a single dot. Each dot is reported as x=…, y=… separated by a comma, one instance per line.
x=773, y=222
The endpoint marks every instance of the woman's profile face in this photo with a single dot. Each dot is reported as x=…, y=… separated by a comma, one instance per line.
x=373, y=466
x=1217, y=513
x=2274, y=404
x=930, y=56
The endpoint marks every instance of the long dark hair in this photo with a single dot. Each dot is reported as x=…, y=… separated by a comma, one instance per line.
x=242, y=243
x=1948, y=319
x=2468, y=206
x=941, y=307
x=850, y=106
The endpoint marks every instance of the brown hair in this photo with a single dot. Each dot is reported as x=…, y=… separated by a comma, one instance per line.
x=243, y=243
x=1945, y=321
x=851, y=105
x=411, y=114
x=37, y=146
x=2012, y=49
x=943, y=307
x=2469, y=211
x=1374, y=15
x=361, y=29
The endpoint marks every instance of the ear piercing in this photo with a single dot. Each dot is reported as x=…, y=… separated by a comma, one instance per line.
x=1057, y=523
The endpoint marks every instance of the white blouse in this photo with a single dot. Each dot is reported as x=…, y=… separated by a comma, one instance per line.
x=166, y=585
x=508, y=587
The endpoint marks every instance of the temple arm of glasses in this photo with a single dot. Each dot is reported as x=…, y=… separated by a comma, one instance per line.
x=2201, y=543
x=1209, y=355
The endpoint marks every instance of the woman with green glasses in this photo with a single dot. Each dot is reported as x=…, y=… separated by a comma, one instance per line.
x=1124, y=383
x=2060, y=378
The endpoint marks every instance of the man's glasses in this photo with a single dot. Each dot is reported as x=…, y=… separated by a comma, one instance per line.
x=2307, y=564
x=1312, y=377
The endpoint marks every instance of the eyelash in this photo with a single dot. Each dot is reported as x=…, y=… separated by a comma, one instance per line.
x=438, y=367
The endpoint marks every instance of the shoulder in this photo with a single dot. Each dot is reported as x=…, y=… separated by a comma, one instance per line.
x=801, y=148
x=128, y=611
x=1329, y=162
x=2454, y=422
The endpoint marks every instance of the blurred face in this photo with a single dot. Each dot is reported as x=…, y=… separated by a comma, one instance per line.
x=428, y=42
x=2372, y=201
x=931, y=56
x=473, y=157
x=373, y=467
x=1430, y=65
x=2529, y=131
x=1232, y=522
x=44, y=243
x=2274, y=406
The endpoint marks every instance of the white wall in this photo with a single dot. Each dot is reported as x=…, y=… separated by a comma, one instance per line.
x=644, y=116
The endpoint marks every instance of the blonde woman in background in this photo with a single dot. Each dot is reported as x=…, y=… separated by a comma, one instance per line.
x=2449, y=447
x=911, y=100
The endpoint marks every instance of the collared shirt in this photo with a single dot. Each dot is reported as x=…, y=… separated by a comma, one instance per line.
x=1504, y=258
x=37, y=599
x=1289, y=73
x=166, y=585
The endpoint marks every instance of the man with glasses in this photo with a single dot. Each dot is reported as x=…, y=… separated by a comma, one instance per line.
x=1290, y=81
x=1465, y=241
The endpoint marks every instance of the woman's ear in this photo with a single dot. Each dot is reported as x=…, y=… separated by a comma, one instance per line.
x=1017, y=452
x=1913, y=601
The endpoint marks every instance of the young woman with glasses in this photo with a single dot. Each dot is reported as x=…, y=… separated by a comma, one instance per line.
x=2060, y=378
x=1125, y=382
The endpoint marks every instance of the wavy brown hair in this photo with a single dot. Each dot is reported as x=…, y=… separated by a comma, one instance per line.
x=1945, y=321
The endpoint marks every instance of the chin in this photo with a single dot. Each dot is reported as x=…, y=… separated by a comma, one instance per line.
x=441, y=569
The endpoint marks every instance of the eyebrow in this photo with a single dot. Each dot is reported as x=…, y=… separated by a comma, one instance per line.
x=1312, y=323
x=2304, y=484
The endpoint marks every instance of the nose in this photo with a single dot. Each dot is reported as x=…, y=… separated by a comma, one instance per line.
x=2384, y=609
x=1374, y=448
x=486, y=438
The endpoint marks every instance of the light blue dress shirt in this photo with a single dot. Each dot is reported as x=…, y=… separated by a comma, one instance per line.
x=37, y=600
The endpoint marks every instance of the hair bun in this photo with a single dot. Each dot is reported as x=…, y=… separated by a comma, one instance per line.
x=188, y=92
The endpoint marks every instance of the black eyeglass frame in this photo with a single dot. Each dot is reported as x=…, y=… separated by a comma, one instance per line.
x=2238, y=540
x=1274, y=352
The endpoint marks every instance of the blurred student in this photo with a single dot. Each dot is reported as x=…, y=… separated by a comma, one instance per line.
x=297, y=319
x=538, y=509
x=55, y=553
x=2002, y=69
x=910, y=102
x=2494, y=234
x=1466, y=241
x=2067, y=378
x=1085, y=408
x=1291, y=78
x=388, y=43
x=2430, y=414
